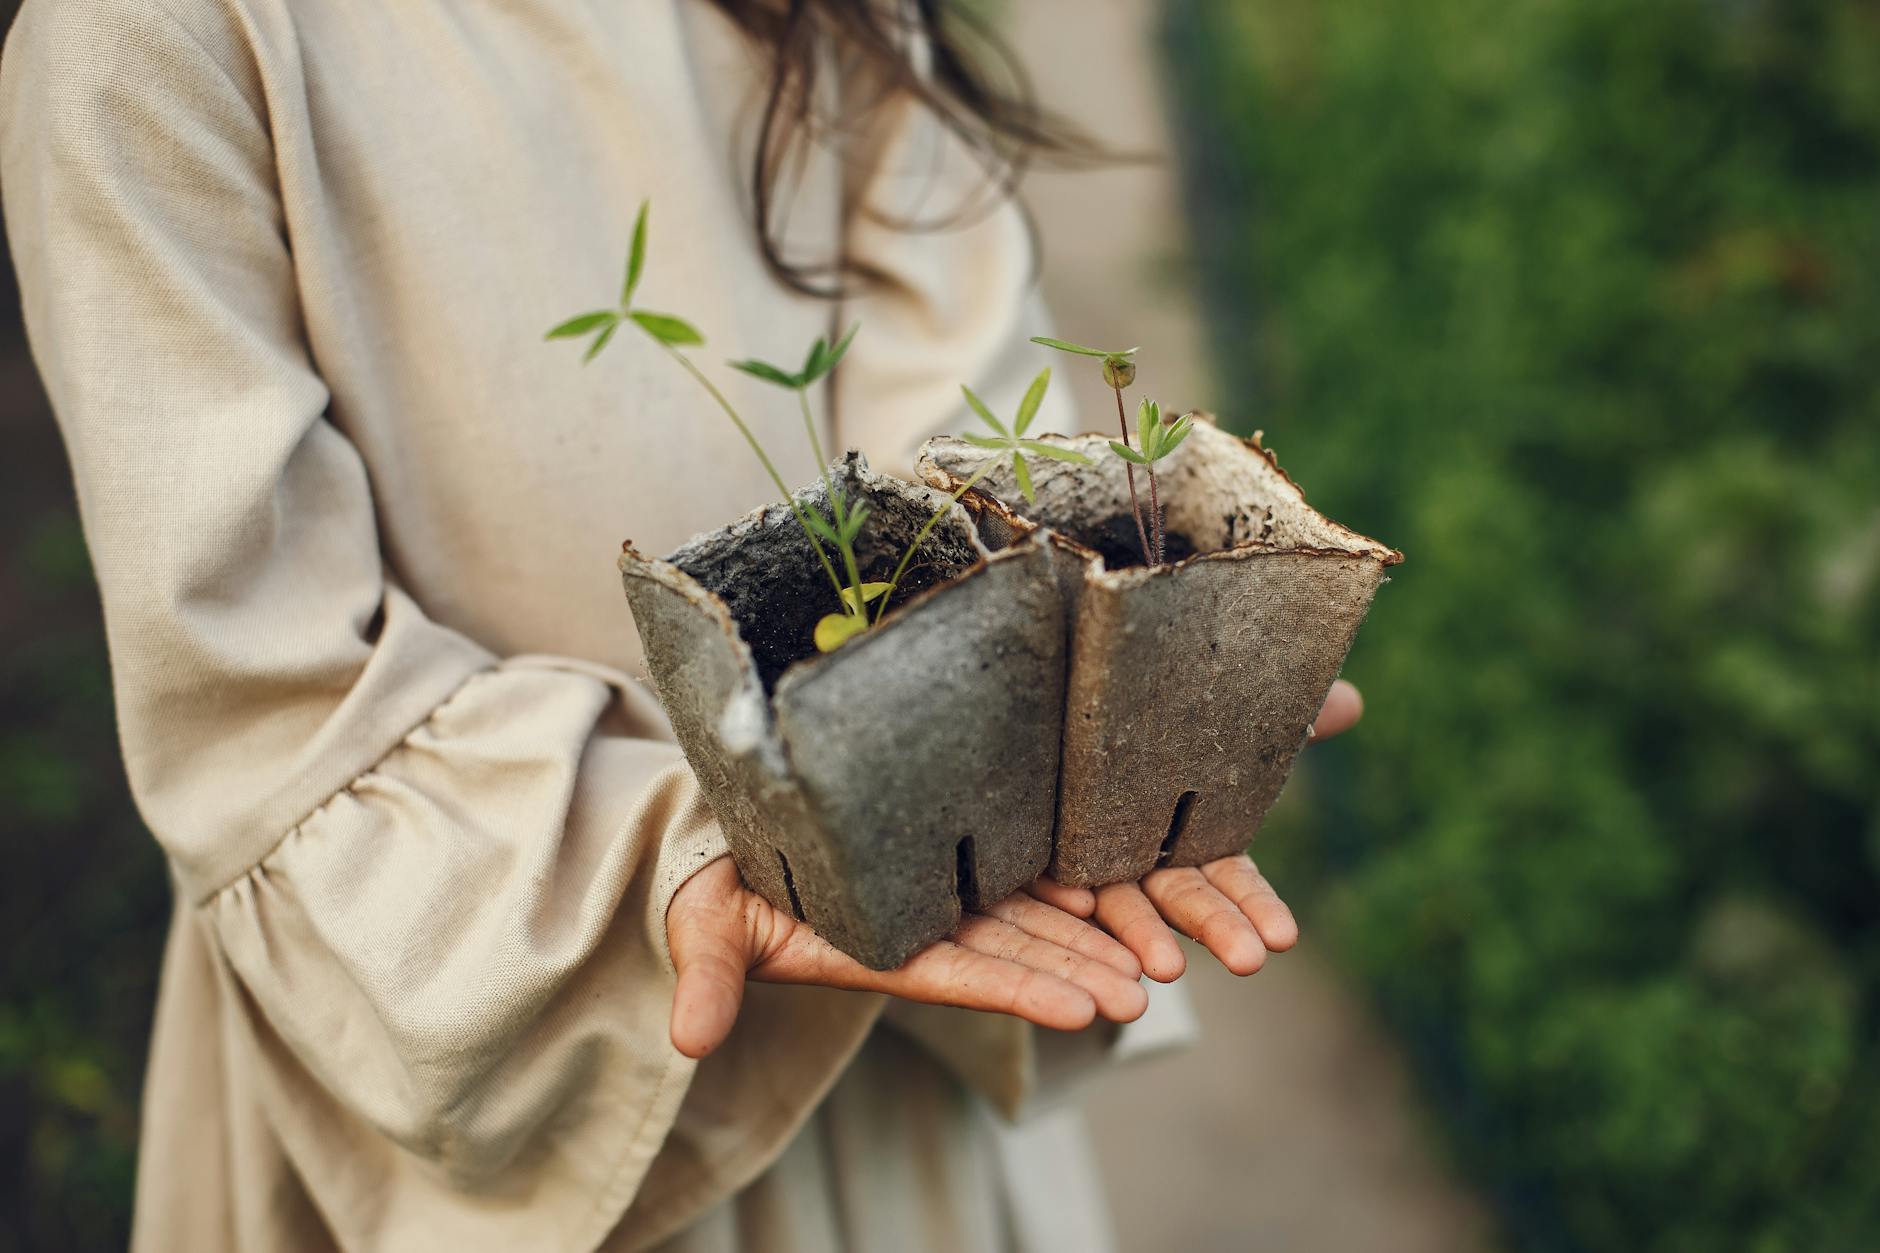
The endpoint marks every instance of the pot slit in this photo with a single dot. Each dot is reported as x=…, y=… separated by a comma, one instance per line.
x=789, y=886
x=1177, y=825
x=966, y=872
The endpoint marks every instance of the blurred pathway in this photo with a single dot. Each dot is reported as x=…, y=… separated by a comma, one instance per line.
x=1292, y=1127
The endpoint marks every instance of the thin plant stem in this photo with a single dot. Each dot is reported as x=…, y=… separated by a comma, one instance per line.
x=762, y=456
x=815, y=446
x=1155, y=518
x=855, y=577
x=836, y=504
x=1135, y=505
x=932, y=522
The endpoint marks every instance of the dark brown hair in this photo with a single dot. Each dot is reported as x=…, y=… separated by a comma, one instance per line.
x=971, y=82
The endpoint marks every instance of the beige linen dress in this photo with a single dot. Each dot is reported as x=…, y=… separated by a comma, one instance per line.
x=286, y=269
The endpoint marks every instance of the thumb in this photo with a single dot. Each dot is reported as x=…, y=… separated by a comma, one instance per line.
x=705, y=930
x=1343, y=707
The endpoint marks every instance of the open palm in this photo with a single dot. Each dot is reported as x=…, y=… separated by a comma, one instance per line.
x=1021, y=956
x=1226, y=905
x=1038, y=954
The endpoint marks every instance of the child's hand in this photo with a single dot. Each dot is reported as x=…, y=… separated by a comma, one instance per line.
x=1022, y=956
x=1227, y=905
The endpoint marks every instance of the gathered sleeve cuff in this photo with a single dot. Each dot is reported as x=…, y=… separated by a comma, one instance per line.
x=457, y=969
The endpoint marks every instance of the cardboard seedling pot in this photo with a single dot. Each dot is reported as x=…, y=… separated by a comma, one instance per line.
x=1192, y=685
x=874, y=790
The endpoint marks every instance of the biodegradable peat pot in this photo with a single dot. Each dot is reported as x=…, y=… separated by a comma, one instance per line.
x=874, y=790
x=1192, y=685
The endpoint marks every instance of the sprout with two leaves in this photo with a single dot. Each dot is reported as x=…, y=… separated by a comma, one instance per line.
x=1156, y=437
x=1011, y=444
x=1119, y=371
x=672, y=333
x=844, y=523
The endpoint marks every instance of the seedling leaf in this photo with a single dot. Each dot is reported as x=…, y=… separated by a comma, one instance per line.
x=1054, y=451
x=823, y=358
x=667, y=329
x=581, y=324
x=1176, y=434
x=985, y=414
x=837, y=629
x=841, y=349
x=820, y=525
x=600, y=342
x=870, y=592
x=1066, y=346
x=1023, y=473
x=852, y=525
x=813, y=363
x=986, y=441
x=1148, y=427
x=636, y=256
x=768, y=372
x=1127, y=453
x=1034, y=396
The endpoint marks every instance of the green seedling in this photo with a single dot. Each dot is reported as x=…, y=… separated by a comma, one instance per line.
x=1156, y=437
x=1013, y=441
x=673, y=333
x=1119, y=371
x=1011, y=444
x=844, y=525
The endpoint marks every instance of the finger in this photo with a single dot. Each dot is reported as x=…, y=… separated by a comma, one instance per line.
x=1049, y=923
x=1129, y=916
x=706, y=930
x=1118, y=996
x=1079, y=901
x=1342, y=708
x=950, y=973
x=1241, y=882
x=943, y=973
x=1197, y=909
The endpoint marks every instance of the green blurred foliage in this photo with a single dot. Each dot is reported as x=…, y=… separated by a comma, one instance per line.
x=1578, y=303
x=84, y=899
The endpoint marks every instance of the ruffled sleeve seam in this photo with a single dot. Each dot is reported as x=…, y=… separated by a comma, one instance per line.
x=293, y=828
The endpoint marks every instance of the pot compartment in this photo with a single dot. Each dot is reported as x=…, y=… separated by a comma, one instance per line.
x=1191, y=685
x=766, y=573
x=872, y=790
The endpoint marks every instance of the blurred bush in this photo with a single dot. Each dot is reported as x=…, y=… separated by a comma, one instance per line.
x=84, y=899
x=1579, y=305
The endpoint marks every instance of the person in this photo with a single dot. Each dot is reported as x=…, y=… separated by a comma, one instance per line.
x=458, y=960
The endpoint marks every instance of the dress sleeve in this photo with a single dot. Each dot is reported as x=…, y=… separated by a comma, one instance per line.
x=436, y=878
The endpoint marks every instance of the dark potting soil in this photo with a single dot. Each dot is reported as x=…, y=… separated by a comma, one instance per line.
x=1116, y=540
x=777, y=590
